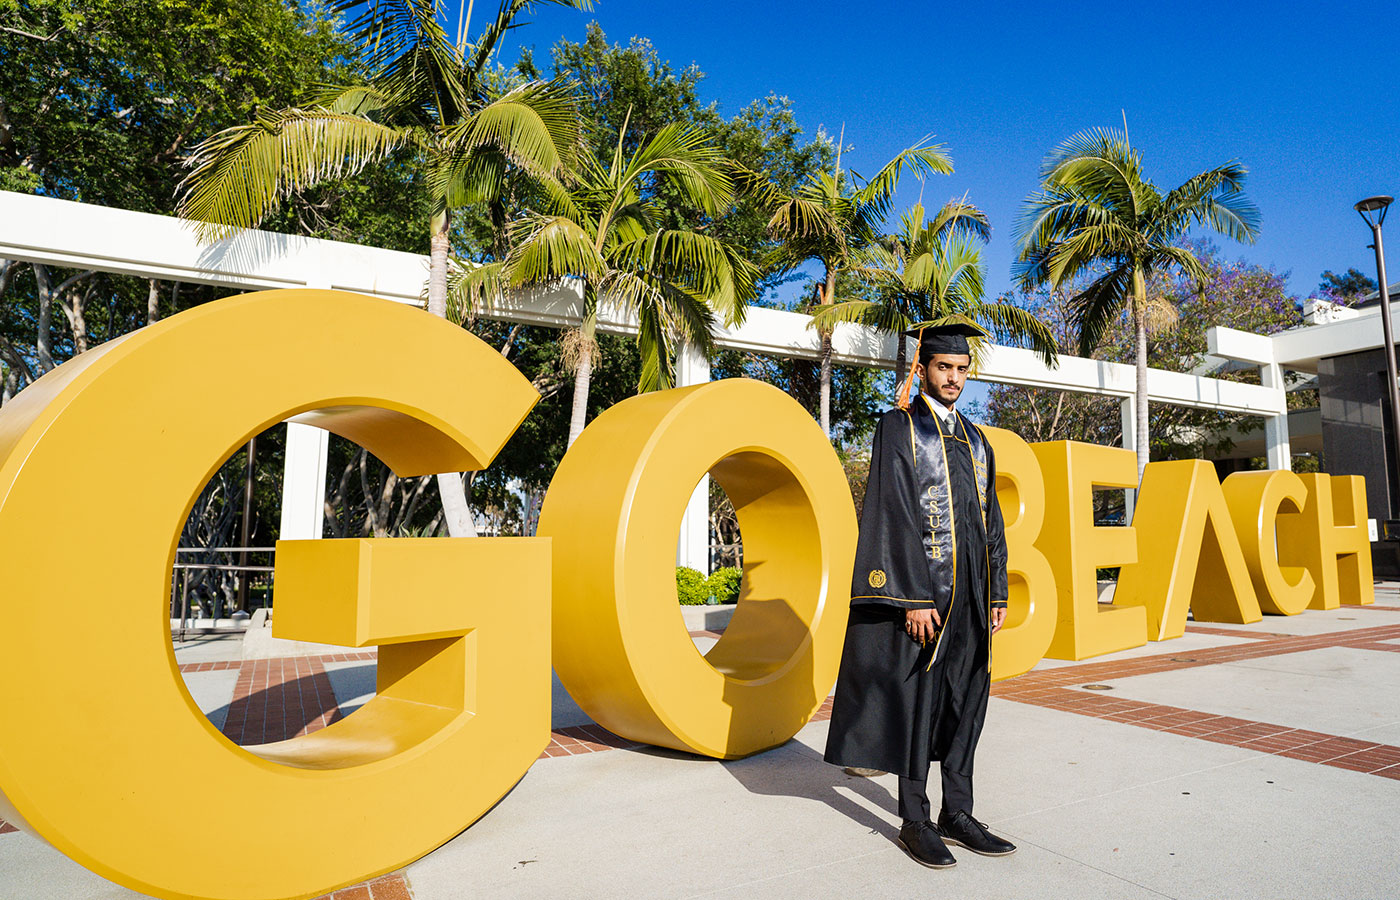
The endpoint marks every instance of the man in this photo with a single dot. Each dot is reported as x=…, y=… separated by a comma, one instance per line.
x=928, y=592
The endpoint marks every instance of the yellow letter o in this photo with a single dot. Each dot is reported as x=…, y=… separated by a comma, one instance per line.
x=613, y=512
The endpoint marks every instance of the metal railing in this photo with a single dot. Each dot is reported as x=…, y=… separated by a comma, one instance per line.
x=182, y=623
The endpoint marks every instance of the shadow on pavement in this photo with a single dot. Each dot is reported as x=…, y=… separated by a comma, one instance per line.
x=796, y=770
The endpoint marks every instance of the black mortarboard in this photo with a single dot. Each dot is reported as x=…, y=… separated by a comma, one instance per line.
x=935, y=339
x=949, y=338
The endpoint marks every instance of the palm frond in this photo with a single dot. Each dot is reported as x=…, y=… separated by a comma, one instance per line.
x=240, y=174
x=1214, y=198
x=922, y=159
x=959, y=217
x=505, y=21
x=1013, y=324
x=686, y=157
x=1172, y=256
x=473, y=287
x=534, y=127
x=547, y=248
x=885, y=317
x=409, y=55
x=802, y=217
x=1095, y=308
x=364, y=100
x=704, y=266
x=1086, y=246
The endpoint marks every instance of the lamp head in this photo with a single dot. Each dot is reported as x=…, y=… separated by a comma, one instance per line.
x=1377, y=204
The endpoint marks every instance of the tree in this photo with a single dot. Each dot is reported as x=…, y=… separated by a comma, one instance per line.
x=1097, y=215
x=632, y=84
x=1234, y=294
x=1348, y=288
x=423, y=92
x=931, y=272
x=831, y=218
x=97, y=106
x=602, y=230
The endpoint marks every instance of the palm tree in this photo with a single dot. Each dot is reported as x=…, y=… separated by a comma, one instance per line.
x=831, y=219
x=1096, y=215
x=931, y=272
x=425, y=94
x=604, y=230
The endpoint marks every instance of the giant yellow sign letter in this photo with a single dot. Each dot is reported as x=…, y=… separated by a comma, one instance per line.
x=614, y=510
x=1030, y=622
x=1257, y=502
x=1075, y=547
x=1188, y=554
x=100, y=462
x=1331, y=539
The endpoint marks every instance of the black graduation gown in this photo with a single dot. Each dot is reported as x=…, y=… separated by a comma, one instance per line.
x=898, y=706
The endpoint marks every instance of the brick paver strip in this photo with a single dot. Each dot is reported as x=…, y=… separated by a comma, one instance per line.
x=389, y=887
x=1231, y=632
x=350, y=656
x=1058, y=689
x=279, y=699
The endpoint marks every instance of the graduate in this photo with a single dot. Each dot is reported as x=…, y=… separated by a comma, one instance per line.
x=928, y=592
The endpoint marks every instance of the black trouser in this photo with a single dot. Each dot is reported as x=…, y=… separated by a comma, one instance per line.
x=913, y=795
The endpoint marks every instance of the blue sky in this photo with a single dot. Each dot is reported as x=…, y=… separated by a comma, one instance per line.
x=1283, y=87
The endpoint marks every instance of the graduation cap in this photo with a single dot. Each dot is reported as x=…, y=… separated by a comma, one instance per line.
x=934, y=339
x=950, y=338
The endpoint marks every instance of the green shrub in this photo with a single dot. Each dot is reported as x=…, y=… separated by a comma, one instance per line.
x=695, y=589
x=724, y=584
x=690, y=586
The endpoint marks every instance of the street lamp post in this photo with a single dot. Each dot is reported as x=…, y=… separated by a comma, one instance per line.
x=1372, y=210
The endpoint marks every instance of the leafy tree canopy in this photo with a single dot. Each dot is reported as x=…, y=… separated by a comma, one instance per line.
x=1347, y=287
x=1235, y=294
x=632, y=87
x=97, y=104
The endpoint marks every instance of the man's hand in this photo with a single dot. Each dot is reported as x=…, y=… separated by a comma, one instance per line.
x=998, y=618
x=922, y=624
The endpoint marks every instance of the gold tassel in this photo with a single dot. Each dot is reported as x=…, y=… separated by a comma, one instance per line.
x=902, y=401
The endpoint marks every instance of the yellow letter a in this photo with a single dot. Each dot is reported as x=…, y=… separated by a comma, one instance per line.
x=1188, y=553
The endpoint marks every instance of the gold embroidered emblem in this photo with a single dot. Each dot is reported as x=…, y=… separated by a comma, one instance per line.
x=877, y=578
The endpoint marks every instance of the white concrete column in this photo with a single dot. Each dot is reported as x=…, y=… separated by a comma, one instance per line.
x=1128, y=409
x=1278, y=451
x=693, y=548
x=304, y=482
x=304, y=469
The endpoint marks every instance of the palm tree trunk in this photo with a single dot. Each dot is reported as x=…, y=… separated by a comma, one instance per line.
x=1140, y=364
x=826, y=300
x=582, y=377
x=456, y=511
x=153, y=302
x=900, y=361
x=43, y=325
x=437, y=267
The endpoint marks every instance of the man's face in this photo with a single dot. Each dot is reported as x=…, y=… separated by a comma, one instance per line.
x=944, y=376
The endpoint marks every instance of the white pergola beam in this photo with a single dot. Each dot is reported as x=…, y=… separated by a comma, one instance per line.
x=61, y=232
x=1244, y=346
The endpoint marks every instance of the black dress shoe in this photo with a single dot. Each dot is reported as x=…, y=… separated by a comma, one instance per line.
x=921, y=841
x=965, y=831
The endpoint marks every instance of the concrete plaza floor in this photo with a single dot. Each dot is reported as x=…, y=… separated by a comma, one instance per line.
x=1258, y=761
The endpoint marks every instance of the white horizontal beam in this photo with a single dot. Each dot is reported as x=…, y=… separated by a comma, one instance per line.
x=1302, y=348
x=1244, y=346
x=78, y=235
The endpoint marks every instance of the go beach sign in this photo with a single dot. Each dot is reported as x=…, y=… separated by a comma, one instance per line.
x=101, y=460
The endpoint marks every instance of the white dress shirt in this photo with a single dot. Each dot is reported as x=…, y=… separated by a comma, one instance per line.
x=946, y=415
